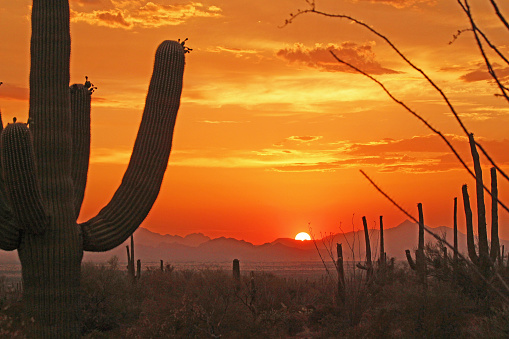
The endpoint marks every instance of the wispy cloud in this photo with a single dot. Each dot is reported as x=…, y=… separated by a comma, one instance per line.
x=319, y=57
x=296, y=93
x=403, y=3
x=216, y=122
x=420, y=154
x=235, y=51
x=109, y=156
x=144, y=14
x=304, y=138
x=481, y=73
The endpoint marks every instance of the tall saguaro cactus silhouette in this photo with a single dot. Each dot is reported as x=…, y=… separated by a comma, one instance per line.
x=44, y=170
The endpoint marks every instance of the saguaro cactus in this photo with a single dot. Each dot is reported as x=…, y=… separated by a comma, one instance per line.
x=484, y=260
x=420, y=260
x=44, y=169
x=130, y=260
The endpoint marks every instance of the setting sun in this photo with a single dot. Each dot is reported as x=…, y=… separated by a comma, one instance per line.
x=302, y=236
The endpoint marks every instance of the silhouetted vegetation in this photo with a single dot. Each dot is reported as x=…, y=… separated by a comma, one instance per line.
x=209, y=303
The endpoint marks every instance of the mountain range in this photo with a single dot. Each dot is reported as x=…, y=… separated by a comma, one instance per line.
x=196, y=247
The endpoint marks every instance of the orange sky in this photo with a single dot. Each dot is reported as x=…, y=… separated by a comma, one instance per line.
x=272, y=132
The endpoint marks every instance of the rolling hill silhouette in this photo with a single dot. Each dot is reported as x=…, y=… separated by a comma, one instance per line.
x=196, y=247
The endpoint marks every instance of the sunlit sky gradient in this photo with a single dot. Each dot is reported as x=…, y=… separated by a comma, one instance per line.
x=272, y=131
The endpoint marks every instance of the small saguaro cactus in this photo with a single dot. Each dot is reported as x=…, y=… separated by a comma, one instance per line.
x=130, y=260
x=419, y=264
x=341, y=274
x=236, y=269
x=44, y=170
x=382, y=261
x=484, y=259
x=368, y=264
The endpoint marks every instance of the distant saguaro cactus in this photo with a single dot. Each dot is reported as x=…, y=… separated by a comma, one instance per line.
x=368, y=264
x=44, y=170
x=130, y=260
x=484, y=260
x=420, y=260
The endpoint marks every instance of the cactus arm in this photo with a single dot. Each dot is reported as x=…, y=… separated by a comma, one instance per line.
x=10, y=237
x=481, y=209
x=470, y=228
x=142, y=180
x=22, y=186
x=410, y=260
x=9, y=234
x=495, y=243
x=80, y=128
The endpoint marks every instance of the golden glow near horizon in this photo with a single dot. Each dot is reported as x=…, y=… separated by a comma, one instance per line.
x=272, y=131
x=302, y=236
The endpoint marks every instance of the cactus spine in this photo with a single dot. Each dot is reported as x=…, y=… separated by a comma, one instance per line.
x=44, y=169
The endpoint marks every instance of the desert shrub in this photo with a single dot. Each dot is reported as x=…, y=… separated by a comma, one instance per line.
x=208, y=303
x=108, y=298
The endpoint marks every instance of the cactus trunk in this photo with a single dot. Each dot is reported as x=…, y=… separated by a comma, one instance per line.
x=369, y=263
x=51, y=262
x=455, y=230
x=419, y=264
x=341, y=274
x=383, y=259
x=470, y=227
x=495, y=243
x=484, y=257
x=44, y=170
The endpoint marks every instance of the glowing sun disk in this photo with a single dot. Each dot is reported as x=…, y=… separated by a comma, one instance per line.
x=302, y=236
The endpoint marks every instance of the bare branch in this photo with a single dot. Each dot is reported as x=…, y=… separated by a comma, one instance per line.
x=312, y=9
x=415, y=114
x=466, y=8
x=499, y=14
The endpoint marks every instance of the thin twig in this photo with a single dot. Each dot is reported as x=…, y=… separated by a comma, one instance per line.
x=312, y=9
x=320, y=254
x=415, y=114
x=466, y=8
x=499, y=14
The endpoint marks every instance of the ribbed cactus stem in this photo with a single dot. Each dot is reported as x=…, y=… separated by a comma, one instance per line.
x=382, y=245
x=140, y=186
x=80, y=119
x=481, y=209
x=20, y=179
x=419, y=255
x=9, y=234
x=369, y=264
x=495, y=242
x=470, y=227
x=419, y=264
x=455, y=230
x=410, y=260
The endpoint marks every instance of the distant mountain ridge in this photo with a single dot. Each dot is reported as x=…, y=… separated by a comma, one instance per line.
x=197, y=247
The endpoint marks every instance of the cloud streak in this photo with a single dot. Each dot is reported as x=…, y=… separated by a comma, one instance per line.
x=402, y=3
x=419, y=154
x=143, y=14
x=319, y=56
